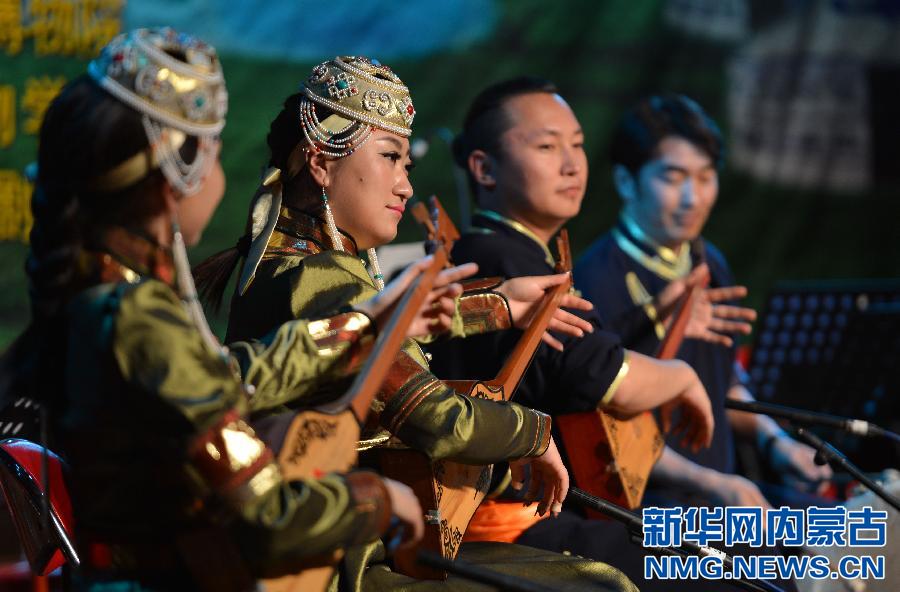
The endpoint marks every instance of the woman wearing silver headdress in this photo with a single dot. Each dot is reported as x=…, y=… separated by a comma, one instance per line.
x=171, y=488
x=337, y=186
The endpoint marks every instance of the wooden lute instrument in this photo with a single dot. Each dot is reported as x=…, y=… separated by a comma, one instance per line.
x=324, y=440
x=451, y=492
x=611, y=457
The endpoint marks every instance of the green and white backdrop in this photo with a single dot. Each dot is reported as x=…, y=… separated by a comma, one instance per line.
x=807, y=93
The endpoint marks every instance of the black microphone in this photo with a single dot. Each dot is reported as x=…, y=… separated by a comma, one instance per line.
x=858, y=427
x=635, y=526
x=825, y=453
x=831, y=455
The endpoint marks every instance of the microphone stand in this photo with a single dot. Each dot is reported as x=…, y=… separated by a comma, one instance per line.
x=479, y=574
x=803, y=417
x=826, y=453
x=635, y=527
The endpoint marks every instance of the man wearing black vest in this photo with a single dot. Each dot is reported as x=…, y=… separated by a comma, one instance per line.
x=523, y=150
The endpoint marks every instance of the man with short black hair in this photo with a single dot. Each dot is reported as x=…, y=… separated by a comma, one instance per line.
x=522, y=147
x=666, y=154
x=524, y=151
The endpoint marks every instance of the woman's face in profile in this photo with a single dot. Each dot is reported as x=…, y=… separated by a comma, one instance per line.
x=368, y=190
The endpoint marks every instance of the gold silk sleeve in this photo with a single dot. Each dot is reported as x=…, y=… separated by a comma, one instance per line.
x=414, y=405
x=289, y=363
x=431, y=417
x=302, y=519
x=301, y=357
x=239, y=469
x=157, y=350
x=236, y=465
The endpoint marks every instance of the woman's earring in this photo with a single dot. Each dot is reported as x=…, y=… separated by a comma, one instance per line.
x=329, y=221
x=376, y=269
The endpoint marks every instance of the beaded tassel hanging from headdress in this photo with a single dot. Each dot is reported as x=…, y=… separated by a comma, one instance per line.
x=376, y=269
x=184, y=177
x=187, y=291
x=336, y=244
x=329, y=222
x=339, y=143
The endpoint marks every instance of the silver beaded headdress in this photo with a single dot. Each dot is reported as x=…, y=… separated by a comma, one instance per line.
x=175, y=81
x=362, y=95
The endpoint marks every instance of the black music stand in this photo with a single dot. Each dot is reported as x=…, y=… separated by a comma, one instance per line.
x=834, y=347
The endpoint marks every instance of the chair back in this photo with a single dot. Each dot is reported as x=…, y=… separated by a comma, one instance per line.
x=46, y=540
